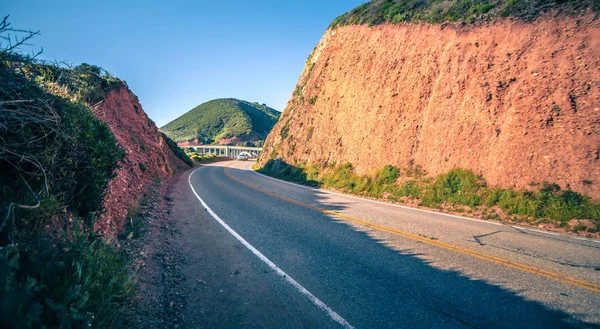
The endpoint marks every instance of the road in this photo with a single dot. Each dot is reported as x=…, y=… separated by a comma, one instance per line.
x=268, y=254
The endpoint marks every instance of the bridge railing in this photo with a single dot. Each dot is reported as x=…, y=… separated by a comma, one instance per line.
x=226, y=151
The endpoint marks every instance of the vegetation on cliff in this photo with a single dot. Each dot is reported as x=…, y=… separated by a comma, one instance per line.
x=438, y=11
x=223, y=119
x=458, y=190
x=501, y=100
x=179, y=153
x=56, y=160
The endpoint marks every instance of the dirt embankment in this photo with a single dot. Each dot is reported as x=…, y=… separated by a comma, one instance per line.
x=518, y=103
x=147, y=156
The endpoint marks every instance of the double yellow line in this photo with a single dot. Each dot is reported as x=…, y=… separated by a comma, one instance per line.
x=493, y=259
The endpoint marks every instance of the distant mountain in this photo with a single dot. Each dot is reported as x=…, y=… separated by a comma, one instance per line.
x=223, y=121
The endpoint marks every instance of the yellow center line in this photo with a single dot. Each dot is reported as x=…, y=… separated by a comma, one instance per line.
x=493, y=259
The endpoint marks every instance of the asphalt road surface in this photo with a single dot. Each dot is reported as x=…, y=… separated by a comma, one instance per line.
x=263, y=253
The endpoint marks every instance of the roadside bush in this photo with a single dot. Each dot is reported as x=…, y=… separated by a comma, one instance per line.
x=387, y=175
x=459, y=186
x=519, y=203
x=312, y=173
x=410, y=189
x=548, y=202
x=76, y=282
x=342, y=177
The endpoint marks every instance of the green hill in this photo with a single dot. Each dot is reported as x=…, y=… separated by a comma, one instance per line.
x=226, y=118
x=468, y=11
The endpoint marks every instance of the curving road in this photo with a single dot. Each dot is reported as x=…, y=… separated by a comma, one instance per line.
x=262, y=253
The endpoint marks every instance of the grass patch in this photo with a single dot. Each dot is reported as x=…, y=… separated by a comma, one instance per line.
x=458, y=188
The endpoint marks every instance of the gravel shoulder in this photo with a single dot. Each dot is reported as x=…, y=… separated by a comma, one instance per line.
x=193, y=274
x=155, y=261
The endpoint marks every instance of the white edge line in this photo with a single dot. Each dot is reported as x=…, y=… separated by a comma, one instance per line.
x=332, y=314
x=421, y=210
x=553, y=233
x=379, y=202
x=534, y=230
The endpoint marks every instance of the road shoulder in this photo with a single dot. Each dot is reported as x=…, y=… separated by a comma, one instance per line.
x=223, y=284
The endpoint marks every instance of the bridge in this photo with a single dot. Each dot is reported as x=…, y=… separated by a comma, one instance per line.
x=226, y=151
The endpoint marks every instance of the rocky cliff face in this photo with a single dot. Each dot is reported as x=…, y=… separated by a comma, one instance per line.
x=518, y=103
x=147, y=156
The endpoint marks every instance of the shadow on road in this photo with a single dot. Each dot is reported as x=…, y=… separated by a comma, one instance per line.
x=371, y=284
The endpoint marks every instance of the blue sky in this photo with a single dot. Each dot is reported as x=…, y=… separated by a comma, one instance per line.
x=178, y=54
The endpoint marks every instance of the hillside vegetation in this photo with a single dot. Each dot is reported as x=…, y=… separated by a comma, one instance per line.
x=56, y=159
x=458, y=190
x=437, y=11
x=223, y=119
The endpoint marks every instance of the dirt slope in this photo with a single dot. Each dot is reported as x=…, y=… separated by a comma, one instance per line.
x=147, y=156
x=518, y=103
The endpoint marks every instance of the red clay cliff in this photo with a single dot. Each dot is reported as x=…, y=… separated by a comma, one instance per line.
x=516, y=102
x=147, y=156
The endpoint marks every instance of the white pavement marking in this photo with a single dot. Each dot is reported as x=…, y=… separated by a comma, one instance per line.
x=534, y=230
x=332, y=314
x=423, y=210
x=557, y=234
x=380, y=202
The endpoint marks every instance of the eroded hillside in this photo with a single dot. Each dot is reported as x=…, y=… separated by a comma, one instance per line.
x=516, y=102
x=147, y=155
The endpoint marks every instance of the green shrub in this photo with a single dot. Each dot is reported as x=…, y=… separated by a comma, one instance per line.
x=312, y=173
x=410, y=189
x=459, y=186
x=388, y=175
x=518, y=203
x=342, y=177
x=80, y=282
